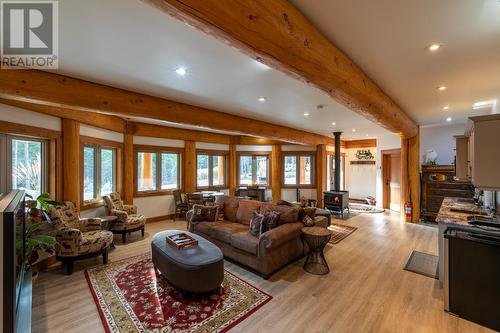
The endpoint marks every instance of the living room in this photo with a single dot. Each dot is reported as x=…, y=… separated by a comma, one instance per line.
x=210, y=166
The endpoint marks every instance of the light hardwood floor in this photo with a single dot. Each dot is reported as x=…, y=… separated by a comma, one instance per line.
x=367, y=289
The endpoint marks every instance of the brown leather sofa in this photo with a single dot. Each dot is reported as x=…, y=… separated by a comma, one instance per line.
x=265, y=254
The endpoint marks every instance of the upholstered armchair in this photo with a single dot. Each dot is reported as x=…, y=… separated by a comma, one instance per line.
x=127, y=220
x=78, y=238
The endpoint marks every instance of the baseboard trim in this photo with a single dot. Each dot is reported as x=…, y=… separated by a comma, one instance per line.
x=159, y=218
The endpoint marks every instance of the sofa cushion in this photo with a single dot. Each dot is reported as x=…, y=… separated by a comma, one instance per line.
x=245, y=241
x=220, y=230
x=204, y=213
x=255, y=224
x=287, y=214
x=230, y=206
x=246, y=209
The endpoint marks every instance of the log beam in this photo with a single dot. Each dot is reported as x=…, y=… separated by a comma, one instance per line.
x=410, y=176
x=276, y=172
x=321, y=165
x=128, y=169
x=71, y=161
x=233, y=169
x=58, y=92
x=279, y=35
x=189, y=166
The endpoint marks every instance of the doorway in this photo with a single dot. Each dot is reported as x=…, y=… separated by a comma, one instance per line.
x=391, y=177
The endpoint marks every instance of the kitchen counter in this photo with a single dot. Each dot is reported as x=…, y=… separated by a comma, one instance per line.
x=458, y=211
x=454, y=211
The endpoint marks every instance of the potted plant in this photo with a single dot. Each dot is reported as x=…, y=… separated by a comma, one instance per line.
x=39, y=236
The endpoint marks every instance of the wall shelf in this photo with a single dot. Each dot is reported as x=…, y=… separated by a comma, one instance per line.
x=363, y=162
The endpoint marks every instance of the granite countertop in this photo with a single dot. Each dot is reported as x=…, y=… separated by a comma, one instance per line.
x=446, y=215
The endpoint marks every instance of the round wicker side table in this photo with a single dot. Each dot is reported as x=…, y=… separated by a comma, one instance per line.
x=316, y=239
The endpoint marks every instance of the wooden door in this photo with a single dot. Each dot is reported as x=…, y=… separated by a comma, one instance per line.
x=391, y=170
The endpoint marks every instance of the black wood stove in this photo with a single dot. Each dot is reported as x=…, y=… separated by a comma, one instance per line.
x=336, y=200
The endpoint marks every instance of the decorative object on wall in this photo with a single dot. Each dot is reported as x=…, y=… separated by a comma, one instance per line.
x=430, y=157
x=364, y=154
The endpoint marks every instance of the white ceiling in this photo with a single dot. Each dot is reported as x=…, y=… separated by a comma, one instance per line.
x=387, y=38
x=128, y=44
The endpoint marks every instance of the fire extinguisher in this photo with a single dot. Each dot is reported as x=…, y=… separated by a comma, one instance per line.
x=408, y=211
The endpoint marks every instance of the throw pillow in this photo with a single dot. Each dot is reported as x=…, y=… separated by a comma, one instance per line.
x=271, y=220
x=220, y=212
x=255, y=224
x=204, y=213
x=311, y=211
x=308, y=221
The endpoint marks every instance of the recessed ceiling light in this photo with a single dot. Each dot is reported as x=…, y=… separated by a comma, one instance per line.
x=181, y=71
x=448, y=119
x=446, y=107
x=306, y=114
x=434, y=47
x=441, y=88
x=366, y=135
x=334, y=123
x=262, y=99
x=354, y=130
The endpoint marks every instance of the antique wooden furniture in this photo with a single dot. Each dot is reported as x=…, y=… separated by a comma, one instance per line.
x=438, y=183
x=252, y=192
x=181, y=207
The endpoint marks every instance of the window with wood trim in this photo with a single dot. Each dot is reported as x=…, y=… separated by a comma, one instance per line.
x=24, y=164
x=253, y=169
x=211, y=170
x=298, y=169
x=99, y=171
x=157, y=171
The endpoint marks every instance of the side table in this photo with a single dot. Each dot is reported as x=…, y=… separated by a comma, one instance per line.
x=316, y=239
x=107, y=223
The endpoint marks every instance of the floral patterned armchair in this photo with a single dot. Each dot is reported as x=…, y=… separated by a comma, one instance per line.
x=78, y=238
x=127, y=218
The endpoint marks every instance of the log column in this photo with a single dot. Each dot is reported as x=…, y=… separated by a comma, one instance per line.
x=321, y=165
x=233, y=169
x=71, y=161
x=128, y=169
x=410, y=176
x=189, y=166
x=276, y=168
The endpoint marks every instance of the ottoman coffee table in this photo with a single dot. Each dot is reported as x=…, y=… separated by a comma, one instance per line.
x=196, y=269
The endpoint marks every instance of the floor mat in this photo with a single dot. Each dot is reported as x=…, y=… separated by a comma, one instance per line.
x=423, y=263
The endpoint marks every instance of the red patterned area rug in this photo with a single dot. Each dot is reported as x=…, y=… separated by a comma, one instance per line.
x=131, y=296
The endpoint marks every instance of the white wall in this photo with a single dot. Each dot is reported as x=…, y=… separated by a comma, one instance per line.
x=290, y=194
x=389, y=141
x=145, y=140
x=297, y=148
x=253, y=148
x=213, y=146
x=21, y=116
x=100, y=133
x=360, y=179
x=155, y=206
x=440, y=138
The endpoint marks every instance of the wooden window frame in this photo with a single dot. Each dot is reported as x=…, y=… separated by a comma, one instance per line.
x=211, y=153
x=158, y=150
x=99, y=144
x=254, y=155
x=297, y=155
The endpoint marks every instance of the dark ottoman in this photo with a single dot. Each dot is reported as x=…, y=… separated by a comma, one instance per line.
x=197, y=269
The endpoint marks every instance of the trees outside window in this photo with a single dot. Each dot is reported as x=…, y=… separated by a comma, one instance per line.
x=157, y=171
x=210, y=170
x=298, y=169
x=254, y=169
x=99, y=172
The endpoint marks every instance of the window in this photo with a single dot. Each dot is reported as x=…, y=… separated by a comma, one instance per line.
x=298, y=169
x=99, y=171
x=24, y=161
x=210, y=170
x=158, y=171
x=254, y=169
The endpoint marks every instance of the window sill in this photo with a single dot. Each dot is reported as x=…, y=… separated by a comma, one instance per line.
x=153, y=193
x=291, y=187
x=92, y=204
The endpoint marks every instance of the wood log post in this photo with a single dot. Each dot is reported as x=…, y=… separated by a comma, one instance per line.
x=71, y=161
x=128, y=169
x=276, y=172
x=410, y=176
x=189, y=166
x=321, y=166
x=233, y=169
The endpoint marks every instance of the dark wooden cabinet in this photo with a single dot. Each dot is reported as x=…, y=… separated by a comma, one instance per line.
x=438, y=183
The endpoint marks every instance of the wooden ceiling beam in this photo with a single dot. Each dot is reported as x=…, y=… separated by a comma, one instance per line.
x=68, y=94
x=100, y=120
x=279, y=35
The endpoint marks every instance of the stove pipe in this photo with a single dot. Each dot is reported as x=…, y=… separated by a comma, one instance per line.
x=337, y=160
